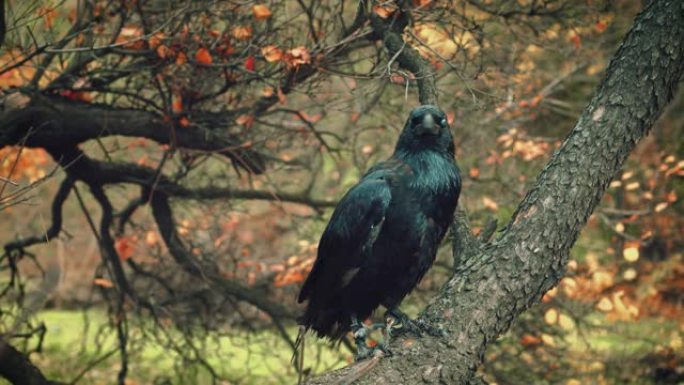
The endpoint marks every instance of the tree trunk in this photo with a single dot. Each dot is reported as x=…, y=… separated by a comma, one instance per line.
x=498, y=281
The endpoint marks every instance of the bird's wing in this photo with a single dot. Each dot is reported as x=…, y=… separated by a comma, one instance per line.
x=350, y=234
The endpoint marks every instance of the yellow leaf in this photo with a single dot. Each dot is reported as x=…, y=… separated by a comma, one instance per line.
x=551, y=316
x=660, y=207
x=261, y=12
x=631, y=254
x=619, y=227
x=569, y=286
x=632, y=186
x=566, y=322
x=548, y=339
x=629, y=274
x=605, y=305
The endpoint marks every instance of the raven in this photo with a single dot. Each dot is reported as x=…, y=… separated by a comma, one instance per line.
x=384, y=233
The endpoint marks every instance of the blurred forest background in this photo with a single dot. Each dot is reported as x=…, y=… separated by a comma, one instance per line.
x=196, y=149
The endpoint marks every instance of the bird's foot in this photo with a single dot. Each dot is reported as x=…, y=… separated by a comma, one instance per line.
x=399, y=323
x=360, y=333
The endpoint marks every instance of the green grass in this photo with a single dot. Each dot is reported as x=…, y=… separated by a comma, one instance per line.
x=76, y=340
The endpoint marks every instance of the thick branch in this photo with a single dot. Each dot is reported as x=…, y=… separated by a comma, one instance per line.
x=16, y=368
x=59, y=122
x=490, y=289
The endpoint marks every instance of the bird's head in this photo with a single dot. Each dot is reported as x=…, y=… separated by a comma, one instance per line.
x=426, y=128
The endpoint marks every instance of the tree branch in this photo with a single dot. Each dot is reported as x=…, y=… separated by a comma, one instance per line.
x=16, y=368
x=61, y=122
x=390, y=32
x=56, y=227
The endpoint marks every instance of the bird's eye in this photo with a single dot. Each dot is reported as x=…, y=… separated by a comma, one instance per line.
x=416, y=120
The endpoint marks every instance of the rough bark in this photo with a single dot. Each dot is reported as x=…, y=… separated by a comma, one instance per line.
x=496, y=283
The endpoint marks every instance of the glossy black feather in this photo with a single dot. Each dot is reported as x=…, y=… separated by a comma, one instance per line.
x=384, y=234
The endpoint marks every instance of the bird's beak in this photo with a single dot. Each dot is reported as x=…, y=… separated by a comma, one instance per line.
x=428, y=126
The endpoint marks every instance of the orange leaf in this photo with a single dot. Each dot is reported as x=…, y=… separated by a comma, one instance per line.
x=125, y=246
x=529, y=340
x=156, y=40
x=183, y=122
x=600, y=26
x=272, y=53
x=261, y=12
x=298, y=56
x=474, y=172
x=181, y=58
x=103, y=282
x=164, y=51
x=203, y=56
x=245, y=120
x=176, y=102
x=268, y=92
x=383, y=11
x=242, y=33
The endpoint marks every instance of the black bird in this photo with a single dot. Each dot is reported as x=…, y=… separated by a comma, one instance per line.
x=384, y=234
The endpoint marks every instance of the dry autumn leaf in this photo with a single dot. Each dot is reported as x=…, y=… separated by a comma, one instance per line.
x=242, y=32
x=103, y=282
x=384, y=11
x=529, y=340
x=490, y=203
x=605, y=305
x=203, y=56
x=272, y=53
x=298, y=56
x=245, y=120
x=261, y=12
x=660, y=207
x=125, y=246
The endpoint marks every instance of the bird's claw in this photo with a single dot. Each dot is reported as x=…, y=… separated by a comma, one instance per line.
x=399, y=323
